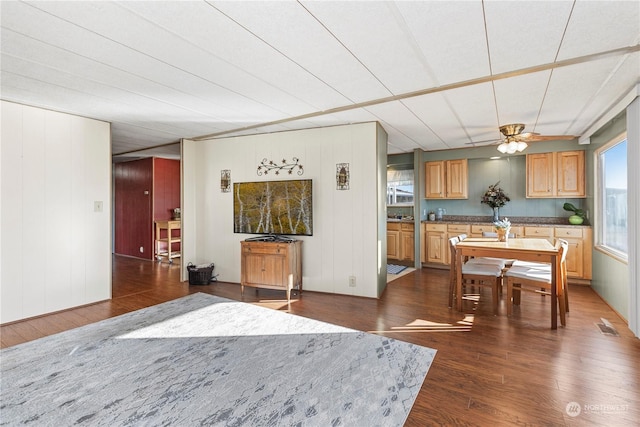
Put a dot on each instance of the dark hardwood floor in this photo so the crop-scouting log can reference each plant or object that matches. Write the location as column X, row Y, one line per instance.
column 489, row 370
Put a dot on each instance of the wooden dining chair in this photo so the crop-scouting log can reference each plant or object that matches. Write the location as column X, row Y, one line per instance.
column 486, row 260
column 547, row 266
column 495, row 234
column 474, row 273
column 503, row 263
column 529, row 277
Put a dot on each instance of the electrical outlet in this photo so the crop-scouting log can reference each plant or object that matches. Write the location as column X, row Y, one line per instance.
column 97, row 206
column 352, row 281
column 141, row 249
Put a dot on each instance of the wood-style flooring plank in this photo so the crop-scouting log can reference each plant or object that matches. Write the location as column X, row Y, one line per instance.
column 489, row 370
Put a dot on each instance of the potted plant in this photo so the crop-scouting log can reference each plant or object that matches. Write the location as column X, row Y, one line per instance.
column 502, row 228
column 578, row 214
column 495, row 198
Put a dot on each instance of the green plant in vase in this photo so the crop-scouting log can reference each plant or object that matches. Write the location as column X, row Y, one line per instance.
column 502, row 227
column 495, row 198
column 578, row 214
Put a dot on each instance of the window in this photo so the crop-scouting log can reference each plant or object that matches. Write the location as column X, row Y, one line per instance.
column 400, row 187
column 612, row 236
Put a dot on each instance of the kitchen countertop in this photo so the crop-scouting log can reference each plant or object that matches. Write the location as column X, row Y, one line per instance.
column 515, row 221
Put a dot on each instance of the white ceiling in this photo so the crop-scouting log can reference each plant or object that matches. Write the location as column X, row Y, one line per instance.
column 436, row 74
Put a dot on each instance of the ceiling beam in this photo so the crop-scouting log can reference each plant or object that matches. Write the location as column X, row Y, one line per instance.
column 529, row 70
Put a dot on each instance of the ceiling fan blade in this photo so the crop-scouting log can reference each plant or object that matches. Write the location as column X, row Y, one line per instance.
column 537, row 137
column 528, row 134
column 484, row 142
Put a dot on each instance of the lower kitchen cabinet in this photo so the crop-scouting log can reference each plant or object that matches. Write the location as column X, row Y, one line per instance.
column 407, row 242
column 579, row 259
column 400, row 241
column 436, row 243
column 393, row 240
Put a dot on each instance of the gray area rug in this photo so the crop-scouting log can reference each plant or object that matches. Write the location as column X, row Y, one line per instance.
column 206, row 360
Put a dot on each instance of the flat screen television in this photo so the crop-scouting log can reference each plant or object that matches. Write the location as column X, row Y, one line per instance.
column 273, row 207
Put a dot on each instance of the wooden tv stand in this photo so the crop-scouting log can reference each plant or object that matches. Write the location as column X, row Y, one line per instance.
column 272, row 265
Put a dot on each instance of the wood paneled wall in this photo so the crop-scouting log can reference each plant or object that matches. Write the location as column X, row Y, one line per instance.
column 166, row 188
column 55, row 175
column 145, row 190
column 348, row 241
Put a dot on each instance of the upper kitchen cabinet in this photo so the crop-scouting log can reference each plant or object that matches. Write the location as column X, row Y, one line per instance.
column 446, row 179
column 559, row 174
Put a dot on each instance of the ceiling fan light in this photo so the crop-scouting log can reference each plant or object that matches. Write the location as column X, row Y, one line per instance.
column 522, row 145
column 502, row 148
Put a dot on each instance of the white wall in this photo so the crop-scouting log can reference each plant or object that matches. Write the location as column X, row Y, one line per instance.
column 346, row 228
column 54, row 249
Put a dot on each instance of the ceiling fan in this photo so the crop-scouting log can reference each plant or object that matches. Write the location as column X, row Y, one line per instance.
column 515, row 140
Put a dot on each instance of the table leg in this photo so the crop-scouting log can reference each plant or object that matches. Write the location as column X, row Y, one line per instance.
column 554, row 292
column 458, row 267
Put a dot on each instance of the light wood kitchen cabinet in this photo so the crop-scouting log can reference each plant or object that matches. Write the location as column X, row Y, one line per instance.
column 393, row 240
column 580, row 239
column 400, row 241
column 407, row 242
column 540, row 176
column 435, row 237
column 436, row 244
column 558, row 174
column 457, row 179
column 540, row 233
column 434, row 180
column 446, row 179
column 570, row 174
column 271, row 265
column 579, row 259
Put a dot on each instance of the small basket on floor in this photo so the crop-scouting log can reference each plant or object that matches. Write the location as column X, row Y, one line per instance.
column 200, row 275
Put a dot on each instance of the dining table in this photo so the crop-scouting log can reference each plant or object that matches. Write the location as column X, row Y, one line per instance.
column 524, row 249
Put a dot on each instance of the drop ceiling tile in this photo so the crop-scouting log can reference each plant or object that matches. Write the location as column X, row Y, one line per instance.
column 520, row 98
column 475, row 107
column 20, row 48
column 117, row 54
column 450, row 36
column 238, row 59
column 377, row 35
column 569, row 94
column 457, row 116
column 608, row 95
column 524, row 33
column 295, row 33
column 598, row 26
column 396, row 115
column 164, row 70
